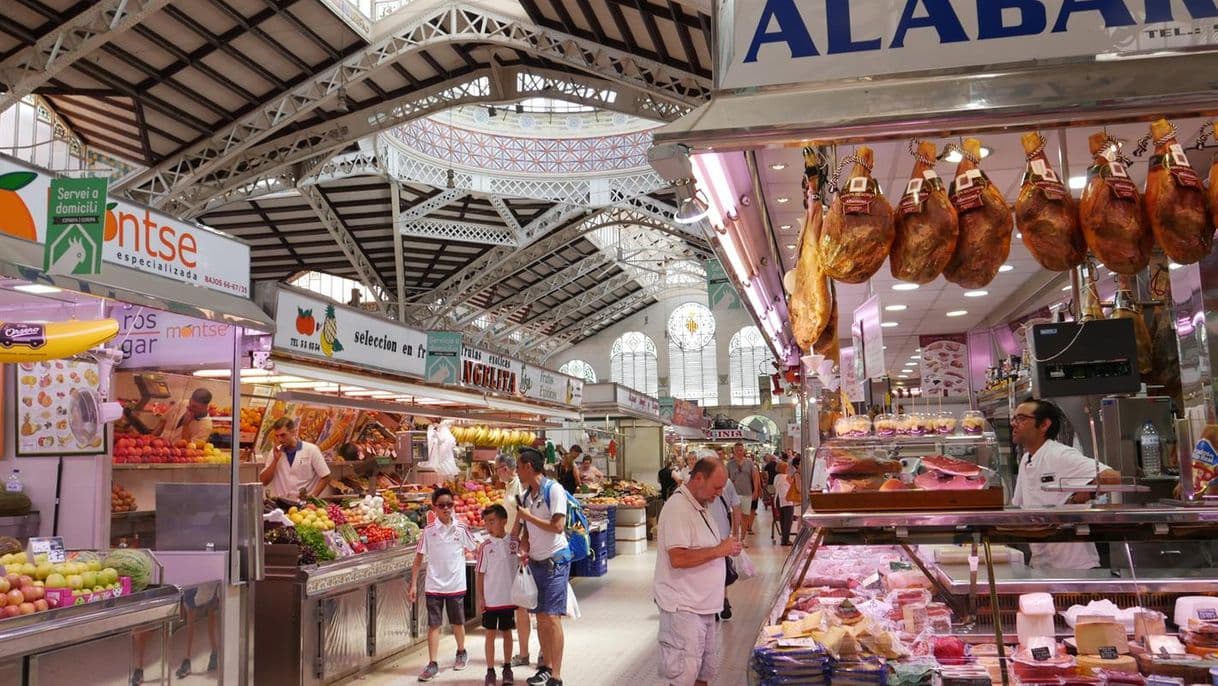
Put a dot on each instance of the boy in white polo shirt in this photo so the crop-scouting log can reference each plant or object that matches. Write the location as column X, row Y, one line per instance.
column 443, row 543
column 497, row 566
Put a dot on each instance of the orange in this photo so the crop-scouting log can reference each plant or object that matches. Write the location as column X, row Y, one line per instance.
column 15, row 219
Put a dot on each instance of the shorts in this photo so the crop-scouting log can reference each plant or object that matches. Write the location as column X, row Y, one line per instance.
column 499, row 619
column 754, row 505
column 689, row 648
column 747, row 506
column 437, row 604
column 551, row 577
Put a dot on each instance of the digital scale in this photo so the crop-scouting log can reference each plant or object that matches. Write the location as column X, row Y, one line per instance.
column 1092, row 358
column 151, row 387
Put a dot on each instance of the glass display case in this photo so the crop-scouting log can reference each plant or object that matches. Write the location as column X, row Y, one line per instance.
column 959, row 597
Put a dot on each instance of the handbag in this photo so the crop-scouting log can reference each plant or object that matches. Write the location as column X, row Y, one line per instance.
column 730, row 569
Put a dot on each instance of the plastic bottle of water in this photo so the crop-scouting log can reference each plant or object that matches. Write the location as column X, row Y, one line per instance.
column 14, row 485
column 1150, row 450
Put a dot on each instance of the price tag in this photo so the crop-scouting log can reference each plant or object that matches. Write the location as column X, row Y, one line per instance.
column 1207, row 614
column 1041, row 654
column 802, row 642
column 871, row 580
column 1108, row 653
column 52, row 547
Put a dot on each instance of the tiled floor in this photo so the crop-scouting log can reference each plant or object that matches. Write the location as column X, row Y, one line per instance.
column 614, row 642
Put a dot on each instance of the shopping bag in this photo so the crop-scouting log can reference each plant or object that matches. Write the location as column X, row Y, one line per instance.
column 744, row 566
column 524, row 590
column 572, row 604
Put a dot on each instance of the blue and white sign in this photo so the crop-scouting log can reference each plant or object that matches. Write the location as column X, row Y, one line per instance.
column 773, row 42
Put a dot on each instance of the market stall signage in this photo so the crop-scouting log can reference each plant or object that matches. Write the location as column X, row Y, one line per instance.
column 132, row 236
column 489, row 371
column 720, row 292
column 639, row 402
column 76, row 216
column 312, row 326
column 151, row 339
column 443, row 357
column 772, row 42
column 944, row 364
column 682, row 413
column 539, row 383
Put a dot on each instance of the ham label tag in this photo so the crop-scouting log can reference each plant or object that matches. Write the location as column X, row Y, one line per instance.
column 858, row 196
column 1119, row 183
column 1108, row 653
column 968, row 189
column 1207, row 614
column 1046, row 180
column 1181, row 170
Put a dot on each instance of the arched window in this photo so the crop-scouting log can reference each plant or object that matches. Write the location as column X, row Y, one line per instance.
column 692, row 369
column 747, row 357
column 579, row 369
column 633, row 361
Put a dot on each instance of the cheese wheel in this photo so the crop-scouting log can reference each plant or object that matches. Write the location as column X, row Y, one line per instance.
column 1122, row 663
column 1036, row 604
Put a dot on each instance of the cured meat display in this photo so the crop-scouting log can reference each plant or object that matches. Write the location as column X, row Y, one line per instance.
column 938, row 481
column 811, row 302
column 1110, row 212
column 1125, row 307
column 1045, row 213
column 951, row 465
column 985, row 223
column 926, row 225
column 858, row 231
column 1176, row 202
column 848, row 463
column 828, row 344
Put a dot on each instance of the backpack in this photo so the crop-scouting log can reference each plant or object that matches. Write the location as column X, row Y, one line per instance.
column 576, row 529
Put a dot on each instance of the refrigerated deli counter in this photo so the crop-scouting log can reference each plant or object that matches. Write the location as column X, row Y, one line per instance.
column 949, row 595
column 317, row 624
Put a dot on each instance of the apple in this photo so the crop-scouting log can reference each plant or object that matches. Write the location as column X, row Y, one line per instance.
column 15, row 597
column 24, row 580
column 57, row 580
column 27, row 608
column 88, row 579
column 75, row 581
column 43, row 570
column 30, row 593
column 53, row 602
column 28, row 569
column 41, row 605
column 4, row 584
column 109, row 575
column 12, row 610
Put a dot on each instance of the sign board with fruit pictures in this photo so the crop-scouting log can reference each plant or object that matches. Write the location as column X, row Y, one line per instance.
column 134, row 237
column 43, row 397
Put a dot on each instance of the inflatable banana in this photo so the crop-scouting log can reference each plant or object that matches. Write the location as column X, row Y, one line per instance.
column 20, row 342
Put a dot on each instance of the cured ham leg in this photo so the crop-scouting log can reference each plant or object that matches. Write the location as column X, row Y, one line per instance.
column 926, row 224
column 985, row 223
column 811, row 302
column 1176, row 203
column 858, row 231
column 828, row 343
column 1110, row 212
column 1045, row 212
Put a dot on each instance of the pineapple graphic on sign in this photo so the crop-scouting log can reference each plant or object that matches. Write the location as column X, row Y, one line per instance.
column 329, row 334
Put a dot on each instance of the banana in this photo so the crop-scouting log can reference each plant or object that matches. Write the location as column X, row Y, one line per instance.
column 21, row 342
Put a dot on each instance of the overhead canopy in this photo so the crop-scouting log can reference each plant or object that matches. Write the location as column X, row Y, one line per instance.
column 22, row 260
column 614, row 401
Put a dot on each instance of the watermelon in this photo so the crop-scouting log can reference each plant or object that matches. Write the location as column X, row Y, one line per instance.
column 133, row 563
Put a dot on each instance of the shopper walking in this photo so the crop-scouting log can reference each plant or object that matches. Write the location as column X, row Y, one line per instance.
column 747, row 478
column 725, row 510
column 541, row 522
column 668, row 482
column 505, row 469
column 689, row 578
column 443, row 545
column 496, row 571
column 786, row 508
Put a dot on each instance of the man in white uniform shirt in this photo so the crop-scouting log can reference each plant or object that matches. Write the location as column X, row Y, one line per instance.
column 296, row 466
column 1047, row 463
column 689, row 577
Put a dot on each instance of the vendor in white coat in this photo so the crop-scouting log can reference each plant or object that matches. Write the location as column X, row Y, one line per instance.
column 1047, row 463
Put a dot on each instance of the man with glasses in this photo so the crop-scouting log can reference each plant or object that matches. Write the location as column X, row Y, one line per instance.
column 1048, row 463
column 443, row 543
column 505, row 470
column 541, row 518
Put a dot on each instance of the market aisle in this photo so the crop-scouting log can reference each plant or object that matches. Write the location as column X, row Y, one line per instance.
column 614, row 642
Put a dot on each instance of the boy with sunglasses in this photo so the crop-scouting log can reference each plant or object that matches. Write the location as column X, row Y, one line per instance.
column 443, row 543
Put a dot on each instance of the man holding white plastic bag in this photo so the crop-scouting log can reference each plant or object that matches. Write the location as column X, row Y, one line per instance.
column 690, row 577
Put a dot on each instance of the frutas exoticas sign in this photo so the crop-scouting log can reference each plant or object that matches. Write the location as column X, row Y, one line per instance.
column 772, row 42
column 134, row 236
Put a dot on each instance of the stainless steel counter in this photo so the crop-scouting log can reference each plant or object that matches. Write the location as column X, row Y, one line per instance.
column 1017, row 519
column 45, row 631
column 1017, row 579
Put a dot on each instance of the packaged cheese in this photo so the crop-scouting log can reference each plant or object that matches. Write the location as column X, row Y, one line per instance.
column 1120, row 663
column 1092, row 637
column 1036, row 604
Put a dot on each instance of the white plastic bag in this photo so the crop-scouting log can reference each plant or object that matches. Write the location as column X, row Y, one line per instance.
column 572, row 603
column 524, row 590
column 744, row 566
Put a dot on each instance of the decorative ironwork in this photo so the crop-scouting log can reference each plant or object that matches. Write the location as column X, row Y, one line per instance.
column 347, row 243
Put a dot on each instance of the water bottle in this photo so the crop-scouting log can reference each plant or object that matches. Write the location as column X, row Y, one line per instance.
column 1150, row 450
column 14, row 485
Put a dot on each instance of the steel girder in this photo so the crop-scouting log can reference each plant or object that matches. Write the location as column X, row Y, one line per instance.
column 422, row 209
column 542, row 322
column 453, row 230
column 33, row 66
column 546, row 346
column 437, row 22
column 505, row 310
column 509, row 219
column 368, row 274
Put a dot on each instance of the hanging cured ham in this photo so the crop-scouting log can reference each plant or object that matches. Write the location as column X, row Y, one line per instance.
column 1110, row 212
column 1125, row 306
column 1176, row 203
column 857, row 233
column 811, row 302
column 1045, row 213
column 985, row 223
column 828, row 344
column 925, row 224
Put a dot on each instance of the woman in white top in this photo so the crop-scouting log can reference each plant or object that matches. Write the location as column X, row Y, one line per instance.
column 786, row 507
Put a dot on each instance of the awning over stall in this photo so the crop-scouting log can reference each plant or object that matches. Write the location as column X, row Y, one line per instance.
column 613, row 401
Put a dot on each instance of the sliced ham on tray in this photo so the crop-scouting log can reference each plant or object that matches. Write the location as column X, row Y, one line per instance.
column 938, row 481
column 850, row 464
column 951, row 465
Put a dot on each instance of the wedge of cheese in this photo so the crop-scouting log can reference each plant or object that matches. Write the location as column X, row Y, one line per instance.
column 1121, row 663
column 1093, row 636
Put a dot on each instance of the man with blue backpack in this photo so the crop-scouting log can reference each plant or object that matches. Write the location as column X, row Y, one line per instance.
column 545, row 515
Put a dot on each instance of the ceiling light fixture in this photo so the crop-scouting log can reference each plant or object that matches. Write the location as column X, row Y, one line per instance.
column 1078, row 183
column 895, row 308
column 1006, row 268
column 790, row 246
column 37, row 289
column 902, row 376
column 785, row 227
column 976, row 294
column 1067, row 287
column 905, row 287
column 888, row 325
column 957, row 313
column 954, row 156
column 691, row 209
column 915, row 357
column 782, row 200
column 778, row 166
column 1174, row 266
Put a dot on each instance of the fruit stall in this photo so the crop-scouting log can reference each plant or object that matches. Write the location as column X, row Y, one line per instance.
column 627, row 428
column 83, row 321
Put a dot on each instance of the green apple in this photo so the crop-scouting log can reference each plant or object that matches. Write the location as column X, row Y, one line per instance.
column 40, row 558
column 98, row 589
column 109, row 575
column 28, row 569
column 42, row 570
column 93, row 566
column 75, row 581
column 89, row 579
column 56, row 580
